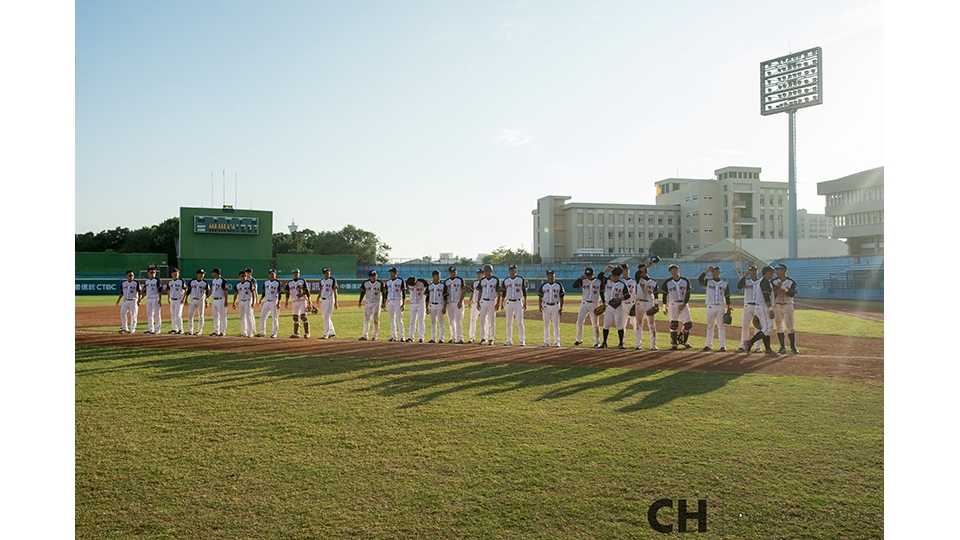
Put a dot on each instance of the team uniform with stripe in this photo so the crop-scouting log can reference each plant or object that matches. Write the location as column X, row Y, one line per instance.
column 270, row 306
column 218, row 297
column 614, row 316
column 198, row 291
column 152, row 289
column 629, row 304
column 437, row 295
column 474, row 309
column 591, row 295
column 131, row 291
column 515, row 299
column 717, row 301
column 676, row 297
column 373, row 292
column 396, row 295
column 176, row 289
column 328, row 290
column 244, row 292
column 489, row 292
column 418, row 311
column 550, row 295
column 753, row 305
column 455, row 292
column 646, row 299
column 783, row 292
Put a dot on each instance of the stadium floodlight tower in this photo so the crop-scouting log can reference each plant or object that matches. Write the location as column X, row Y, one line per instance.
column 789, row 83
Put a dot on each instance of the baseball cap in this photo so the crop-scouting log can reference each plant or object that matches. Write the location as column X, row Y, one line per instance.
column 200, row 271
column 149, row 268
column 372, row 273
column 248, row 269
column 393, row 269
column 616, row 271
column 513, row 267
column 325, row 269
column 243, row 273
column 550, row 271
column 779, row 266
column 752, row 267
column 435, row 273
column 479, row 270
column 487, row 267
column 766, row 269
column 272, row 271
column 452, row 269
column 588, row 271
column 216, row 269
column 672, row 266
column 295, row 271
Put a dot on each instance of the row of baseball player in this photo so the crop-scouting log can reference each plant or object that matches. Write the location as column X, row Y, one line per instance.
column 619, row 299
column 200, row 293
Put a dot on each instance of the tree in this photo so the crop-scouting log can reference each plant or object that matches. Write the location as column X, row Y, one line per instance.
column 347, row 241
column 502, row 255
column 664, row 247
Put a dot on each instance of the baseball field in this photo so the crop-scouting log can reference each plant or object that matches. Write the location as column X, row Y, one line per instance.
column 226, row 437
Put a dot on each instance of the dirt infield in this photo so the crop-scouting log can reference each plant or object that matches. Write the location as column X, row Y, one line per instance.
column 823, row 356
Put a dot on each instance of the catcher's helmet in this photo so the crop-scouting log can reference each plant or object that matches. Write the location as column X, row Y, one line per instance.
column 487, row 268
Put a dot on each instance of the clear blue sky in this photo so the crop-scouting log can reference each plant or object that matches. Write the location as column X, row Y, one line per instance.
column 437, row 125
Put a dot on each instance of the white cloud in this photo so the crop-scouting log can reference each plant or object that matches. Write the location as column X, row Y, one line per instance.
column 514, row 31
column 515, row 138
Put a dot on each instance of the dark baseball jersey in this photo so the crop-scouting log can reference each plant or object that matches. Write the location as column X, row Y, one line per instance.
column 551, row 292
column 152, row 288
column 676, row 290
column 781, row 296
column 198, row 289
column 372, row 290
column 218, row 288
column 514, row 288
column 455, row 288
column 271, row 290
column 130, row 290
column 176, row 288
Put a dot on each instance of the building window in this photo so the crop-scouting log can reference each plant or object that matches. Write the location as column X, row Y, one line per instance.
column 659, row 235
column 708, row 212
column 708, row 229
column 670, row 221
column 650, row 236
column 650, row 221
column 630, row 234
column 659, row 221
column 670, row 235
column 708, row 197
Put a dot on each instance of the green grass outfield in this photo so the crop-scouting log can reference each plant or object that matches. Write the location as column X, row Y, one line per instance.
column 348, row 321
column 177, row 444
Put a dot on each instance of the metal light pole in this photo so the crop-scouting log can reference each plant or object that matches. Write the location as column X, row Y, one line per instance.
column 789, row 83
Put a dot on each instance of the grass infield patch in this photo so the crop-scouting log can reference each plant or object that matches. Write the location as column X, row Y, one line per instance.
column 175, row 444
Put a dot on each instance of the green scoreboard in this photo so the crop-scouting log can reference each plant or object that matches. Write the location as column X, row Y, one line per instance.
column 229, row 238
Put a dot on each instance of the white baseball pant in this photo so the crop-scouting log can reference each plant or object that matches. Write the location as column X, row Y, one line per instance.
column 586, row 310
column 748, row 331
column 650, row 321
column 176, row 314
column 153, row 315
column 613, row 317
column 436, row 321
column 551, row 317
column 474, row 315
column 514, row 312
column 371, row 316
column 417, row 318
column 783, row 316
column 395, row 313
column 194, row 310
column 219, row 306
column 455, row 316
column 326, row 309
column 269, row 309
column 247, row 325
column 715, row 314
column 488, row 320
column 128, row 315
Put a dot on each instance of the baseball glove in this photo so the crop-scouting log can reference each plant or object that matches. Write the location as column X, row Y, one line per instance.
column 654, row 310
column 633, row 311
column 599, row 309
column 615, row 303
column 728, row 319
column 314, row 310
column 756, row 323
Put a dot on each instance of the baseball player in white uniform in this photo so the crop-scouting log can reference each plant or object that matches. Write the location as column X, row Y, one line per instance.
column 270, row 303
column 176, row 289
column 551, row 307
column 130, row 294
column 300, row 291
column 612, row 295
column 514, row 293
column 437, row 296
column 718, row 305
column 646, row 301
column 752, row 303
column 153, row 290
column 784, row 289
column 373, row 291
column 588, row 302
column 218, row 297
column 244, row 291
column 418, row 302
column 396, row 296
column 629, row 303
column 676, row 298
column 766, row 314
column 198, row 290
column 455, row 291
column 472, row 301
column 488, row 303
column 328, row 298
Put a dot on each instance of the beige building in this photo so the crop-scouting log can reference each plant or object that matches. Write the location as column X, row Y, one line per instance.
column 855, row 204
column 813, row 225
column 564, row 231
